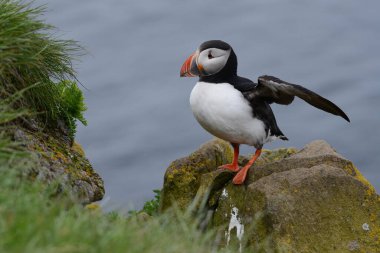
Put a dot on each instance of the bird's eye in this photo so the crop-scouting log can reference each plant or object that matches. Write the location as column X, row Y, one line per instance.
column 210, row 55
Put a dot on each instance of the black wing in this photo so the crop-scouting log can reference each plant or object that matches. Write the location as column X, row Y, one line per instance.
column 272, row 89
column 261, row 108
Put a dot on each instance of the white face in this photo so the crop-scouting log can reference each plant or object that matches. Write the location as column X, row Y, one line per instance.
column 212, row 60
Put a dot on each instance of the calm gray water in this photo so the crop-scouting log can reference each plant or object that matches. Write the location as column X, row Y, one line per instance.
column 139, row 116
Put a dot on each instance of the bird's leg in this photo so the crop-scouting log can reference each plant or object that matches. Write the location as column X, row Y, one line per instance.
column 234, row 165
column 241, row 175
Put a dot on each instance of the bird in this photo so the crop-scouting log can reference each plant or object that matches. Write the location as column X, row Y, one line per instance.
column 236, row 109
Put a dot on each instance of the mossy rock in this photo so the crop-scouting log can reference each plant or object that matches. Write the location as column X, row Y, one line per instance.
column 60, row 160
column 183, row 176
column 313, row 200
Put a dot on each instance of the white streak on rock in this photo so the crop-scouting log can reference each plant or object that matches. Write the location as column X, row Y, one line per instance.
column 235, row 222
column 225, row 193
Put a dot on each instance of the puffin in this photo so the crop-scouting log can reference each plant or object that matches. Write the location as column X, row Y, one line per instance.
column 236, row 109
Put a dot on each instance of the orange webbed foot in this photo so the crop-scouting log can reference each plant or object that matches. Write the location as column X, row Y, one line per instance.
column 231, row 167
column 242, row 174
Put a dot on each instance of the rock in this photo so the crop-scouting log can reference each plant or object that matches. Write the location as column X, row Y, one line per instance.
column 313, row 200
column 183, row 176
column 58, row 159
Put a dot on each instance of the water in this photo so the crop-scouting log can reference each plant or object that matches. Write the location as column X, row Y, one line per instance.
column 139, row 116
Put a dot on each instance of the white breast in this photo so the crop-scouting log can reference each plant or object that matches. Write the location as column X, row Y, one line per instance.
column 224, row 112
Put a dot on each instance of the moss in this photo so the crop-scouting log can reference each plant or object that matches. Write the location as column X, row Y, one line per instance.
column 268, row 156
column 93, row 206
column 59, row 160
column 78, row 148
column 257, row 229
column 353, row 171
column 182, row 178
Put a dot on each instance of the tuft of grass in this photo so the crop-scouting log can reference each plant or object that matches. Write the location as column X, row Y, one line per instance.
column 151, row 207
column 7, row 112
column 71, row 105
column 33, row 59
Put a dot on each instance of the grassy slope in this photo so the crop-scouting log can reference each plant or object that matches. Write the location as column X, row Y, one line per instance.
column 33, row 70
column 32, row 221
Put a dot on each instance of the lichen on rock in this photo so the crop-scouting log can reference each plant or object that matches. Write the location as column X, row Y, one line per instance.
column 312, row 200
column 183, row 176
column 59, row 160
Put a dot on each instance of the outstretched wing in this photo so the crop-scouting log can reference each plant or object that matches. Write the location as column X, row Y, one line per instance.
column 272, row 89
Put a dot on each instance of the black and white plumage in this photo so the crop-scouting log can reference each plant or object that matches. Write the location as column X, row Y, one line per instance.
column 236, row 109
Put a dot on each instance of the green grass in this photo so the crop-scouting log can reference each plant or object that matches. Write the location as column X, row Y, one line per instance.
column 71, row 105
column 150, row 207
column 30, row 224
column 34, row 60
column 33, row 221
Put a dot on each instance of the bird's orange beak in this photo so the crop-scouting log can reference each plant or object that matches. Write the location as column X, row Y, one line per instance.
column 189, row 67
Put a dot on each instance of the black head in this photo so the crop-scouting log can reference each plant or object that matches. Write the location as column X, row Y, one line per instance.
column 214, row 61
